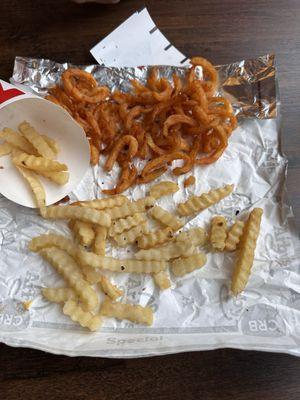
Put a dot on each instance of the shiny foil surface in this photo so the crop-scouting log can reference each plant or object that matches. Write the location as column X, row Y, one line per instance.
column 198, row 311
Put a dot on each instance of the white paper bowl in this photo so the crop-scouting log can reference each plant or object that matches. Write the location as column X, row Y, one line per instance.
column 54, row 121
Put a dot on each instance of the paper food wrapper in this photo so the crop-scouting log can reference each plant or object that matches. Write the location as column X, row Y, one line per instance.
column 198, row 312
column 18, row 104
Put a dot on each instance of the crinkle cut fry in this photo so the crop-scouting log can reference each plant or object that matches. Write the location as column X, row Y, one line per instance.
column 100, row 240
column 245, row 258
column 85, row 318
column 131, row 236
column 77, row 212
column 107, row 202
column 132, row 208
column 234, row 235
column 182, row 266
column 166, row 218
column 36, row 187
column 163, row 188
column 166, row 252
column 37, row 140
column 59, row 295
column 194, row 236
column 134, row 313
column 198, row 203
column 110, row 290
column 124, row 224
column 66, row 266
column 155, row 238
column 125, row 266
column 218, row 232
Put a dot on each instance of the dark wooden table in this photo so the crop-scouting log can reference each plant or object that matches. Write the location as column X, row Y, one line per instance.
column 223, row 31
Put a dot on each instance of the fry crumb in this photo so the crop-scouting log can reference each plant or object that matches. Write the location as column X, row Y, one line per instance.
column 27, row 304
column 189, row 181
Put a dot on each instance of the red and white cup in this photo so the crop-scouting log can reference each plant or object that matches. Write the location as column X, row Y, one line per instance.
column 52, row 120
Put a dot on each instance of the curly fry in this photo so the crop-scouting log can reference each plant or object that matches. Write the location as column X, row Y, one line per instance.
column 126, row 141
column 177, row 119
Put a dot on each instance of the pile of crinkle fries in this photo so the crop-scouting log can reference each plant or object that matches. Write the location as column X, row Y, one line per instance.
column 81, row 261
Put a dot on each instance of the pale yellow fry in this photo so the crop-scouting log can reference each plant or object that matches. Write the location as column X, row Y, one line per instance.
column 93, row 260
column 83, row 232
column 37, row 163
column 61, row 177
column 52, row 144
column 155, row 238
column 58, row 295
column 17, row 140
column 163, row 189
column 36, row 140
column 5, row 148
column 218, row 232
column 101, row 204
column 245, row 258
column 100, row 240
column 183, row 266
column 166, row 252
column 84, row 318
column 67, row 267
column 51, row 239
column 36, row 187
column 77, row 212
column 166, row 218
column 132, row 208
column 194, row 236
column 162, row 280
column 234, row 235
column 92, row 275
column 128, row 237
column 110, row 290
column 196, row 204
column 126, row 266
column 134, row 313
column 124, row 224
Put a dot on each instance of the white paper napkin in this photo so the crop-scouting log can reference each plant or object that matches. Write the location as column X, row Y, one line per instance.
column 137, row 41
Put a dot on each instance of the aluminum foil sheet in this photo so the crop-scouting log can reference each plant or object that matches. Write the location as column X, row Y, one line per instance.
column 197, row 312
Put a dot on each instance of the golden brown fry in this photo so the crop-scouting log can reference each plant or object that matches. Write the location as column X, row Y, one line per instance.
column 191, row 180
column 37, row 140
column 198, row 203
column 77, row 212
column 100, row 240
column 132, row 208
column 166, row 218
column 110, row 290
column 84, row 318
column 218, row 233
column 245, row 258
column 234, row 235
column 124, row 224
column 59, row 295
column 166, row 252
column 134, row 313
column 183, row 266
column 17, row 141
column 36, row 187
column 163, row 188
column 162, row 280
column 66, row 266
column 128, row 237
column 194, row 236
column 155, row 238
